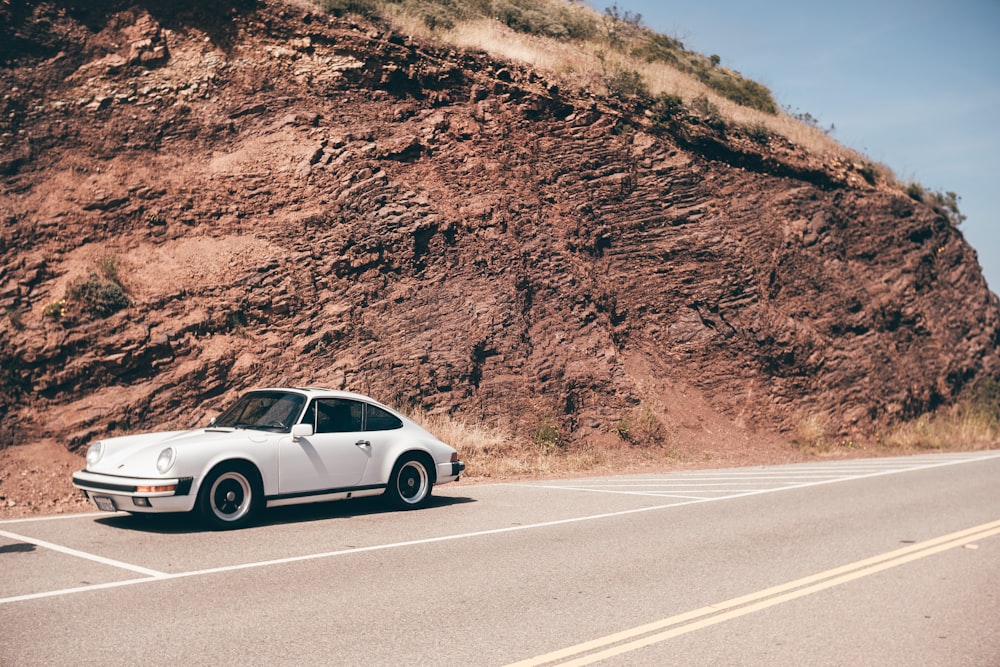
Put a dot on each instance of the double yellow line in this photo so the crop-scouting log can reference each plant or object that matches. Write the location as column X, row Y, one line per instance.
column 667, row 628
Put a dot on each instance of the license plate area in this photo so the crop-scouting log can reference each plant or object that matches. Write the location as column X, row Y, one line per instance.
column 105, row 504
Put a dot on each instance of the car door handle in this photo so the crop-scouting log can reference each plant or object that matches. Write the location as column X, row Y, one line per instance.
column 363, row 443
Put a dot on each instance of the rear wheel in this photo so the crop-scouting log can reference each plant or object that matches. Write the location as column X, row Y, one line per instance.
column 230, row 497
column 411, row 483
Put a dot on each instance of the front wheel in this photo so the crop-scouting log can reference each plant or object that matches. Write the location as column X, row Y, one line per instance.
column 411, row 484
column 230, row 497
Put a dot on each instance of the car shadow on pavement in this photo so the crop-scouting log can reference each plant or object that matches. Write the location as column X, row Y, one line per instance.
column 337, row 509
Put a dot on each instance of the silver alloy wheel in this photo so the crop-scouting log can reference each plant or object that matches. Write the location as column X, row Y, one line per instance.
column 412, row 482
column 231, row 496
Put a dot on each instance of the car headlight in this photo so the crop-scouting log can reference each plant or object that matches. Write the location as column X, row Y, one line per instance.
column 166, row 459
column 95, row 452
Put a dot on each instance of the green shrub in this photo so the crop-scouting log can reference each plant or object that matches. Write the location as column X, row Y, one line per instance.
column 744, row 92
column 868, row 171
column 620, row 26
column 641, row 427
column 98, row 295
column 915, row 191
column 985, row 397
column 340, row 7
column 654, row 47
column 626, row 83
column 548, row 435
column 758, row 133
column 666, row 107
column 578, row 22
column 437, row 14
column 548, row 19
column 434, row 18
column 54, row 310
column 530, row 21
column 943, row 203
column 946, row 204
column 705, row 108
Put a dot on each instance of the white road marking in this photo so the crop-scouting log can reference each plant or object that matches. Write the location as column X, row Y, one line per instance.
column 154, row 575
column 51, row 517
column 160, row 576
column 702, row 484
column 79, row 589
column 83, row 554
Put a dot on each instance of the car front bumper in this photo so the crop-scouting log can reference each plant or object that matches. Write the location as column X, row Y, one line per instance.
column 133, row 494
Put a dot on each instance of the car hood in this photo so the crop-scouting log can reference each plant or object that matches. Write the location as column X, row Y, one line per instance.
column 135, row 455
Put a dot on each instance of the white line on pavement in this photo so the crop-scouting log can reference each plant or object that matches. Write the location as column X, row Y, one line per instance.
column 82, row 554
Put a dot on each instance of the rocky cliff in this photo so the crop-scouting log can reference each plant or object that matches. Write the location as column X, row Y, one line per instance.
column 291, row 197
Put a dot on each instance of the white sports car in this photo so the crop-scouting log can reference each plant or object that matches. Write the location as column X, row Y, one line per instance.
column 273, row 447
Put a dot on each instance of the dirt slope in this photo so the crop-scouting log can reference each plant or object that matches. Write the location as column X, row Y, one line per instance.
column 294, row 198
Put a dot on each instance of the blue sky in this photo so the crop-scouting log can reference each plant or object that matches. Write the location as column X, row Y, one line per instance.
column 912, row 85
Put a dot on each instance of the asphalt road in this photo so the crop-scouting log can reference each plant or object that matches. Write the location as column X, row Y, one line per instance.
column 872, row 562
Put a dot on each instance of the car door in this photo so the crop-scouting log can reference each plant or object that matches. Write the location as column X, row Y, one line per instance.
column 334, row 457
column 385, row 433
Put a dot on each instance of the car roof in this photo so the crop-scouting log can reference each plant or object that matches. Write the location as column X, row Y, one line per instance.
column 321, row 392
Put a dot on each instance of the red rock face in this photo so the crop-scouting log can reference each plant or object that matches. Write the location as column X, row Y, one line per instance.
column 292, row 198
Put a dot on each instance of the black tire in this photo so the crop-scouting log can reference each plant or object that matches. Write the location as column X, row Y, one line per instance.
column 231, row 496
column 411, row 483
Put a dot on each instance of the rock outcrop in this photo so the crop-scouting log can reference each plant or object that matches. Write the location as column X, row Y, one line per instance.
column 290, row 197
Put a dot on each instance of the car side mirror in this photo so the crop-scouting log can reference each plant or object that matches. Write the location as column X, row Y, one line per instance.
column 302, row 431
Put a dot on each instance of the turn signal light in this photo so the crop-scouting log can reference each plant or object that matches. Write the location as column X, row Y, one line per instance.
column 155, row 489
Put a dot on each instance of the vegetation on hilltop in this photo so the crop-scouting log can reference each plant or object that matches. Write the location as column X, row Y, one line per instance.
column 617, row 39
column 615, row 54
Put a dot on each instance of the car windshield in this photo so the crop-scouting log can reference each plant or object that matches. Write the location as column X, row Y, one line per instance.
column 274, row 411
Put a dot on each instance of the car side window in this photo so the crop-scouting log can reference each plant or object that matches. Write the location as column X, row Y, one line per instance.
column 378, row 419
column 334, row 415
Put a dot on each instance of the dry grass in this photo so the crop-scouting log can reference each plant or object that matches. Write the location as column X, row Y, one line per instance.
column 641, row 443
column 972, row 424
column 812, row 438
column 957, row 428
column 557, row 57
column 642, row 427
column 495, row 453
column 586, row 65
column 811, row 432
